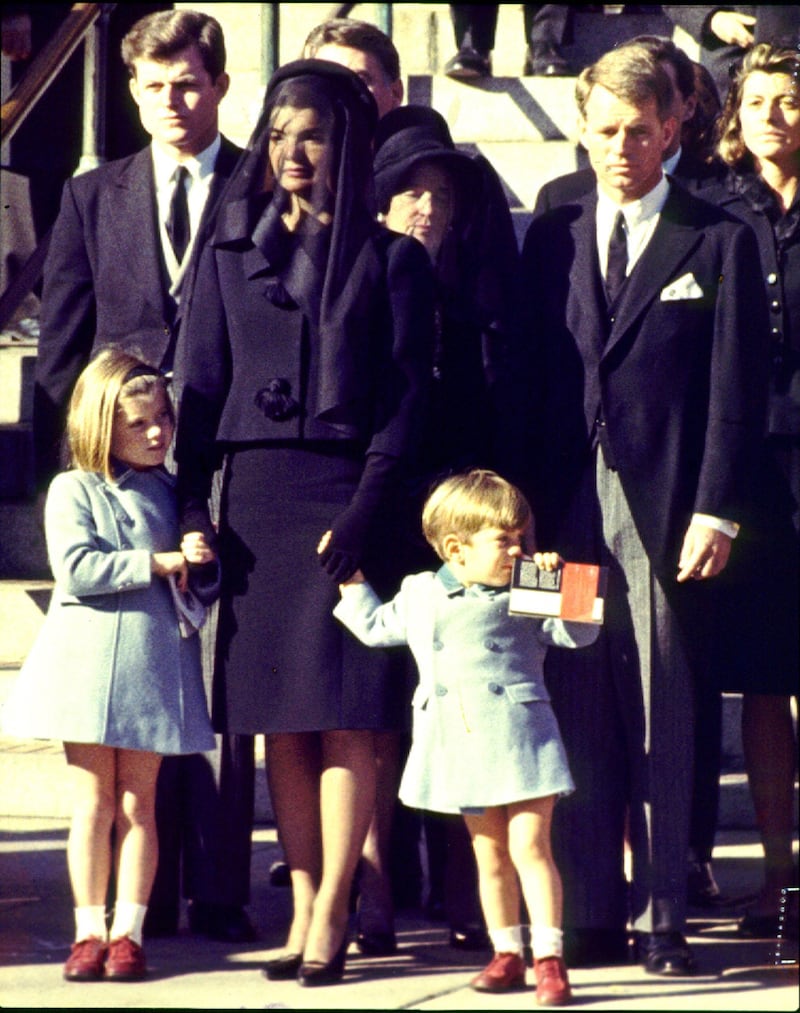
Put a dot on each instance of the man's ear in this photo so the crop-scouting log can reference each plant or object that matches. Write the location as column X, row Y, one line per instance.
column 133, row 85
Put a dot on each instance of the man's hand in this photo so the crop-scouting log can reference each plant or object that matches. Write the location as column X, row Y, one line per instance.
column 704, row 553
column 733, row 28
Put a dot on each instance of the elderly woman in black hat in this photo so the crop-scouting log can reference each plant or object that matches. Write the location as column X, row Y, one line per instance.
column 304, row 365
column 454, row 205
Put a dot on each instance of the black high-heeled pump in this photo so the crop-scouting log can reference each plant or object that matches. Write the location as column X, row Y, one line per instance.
column 283, row 968
column 315, row 972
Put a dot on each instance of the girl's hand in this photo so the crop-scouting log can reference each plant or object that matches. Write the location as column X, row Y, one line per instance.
column 547, row 560
column 196, row 549
column 163, row 564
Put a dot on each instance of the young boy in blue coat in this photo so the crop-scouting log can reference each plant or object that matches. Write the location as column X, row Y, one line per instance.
column 486, row 743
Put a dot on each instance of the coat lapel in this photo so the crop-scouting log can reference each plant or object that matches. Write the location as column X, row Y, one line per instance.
column 585, row 281
column 673, row 240
column 136, row 231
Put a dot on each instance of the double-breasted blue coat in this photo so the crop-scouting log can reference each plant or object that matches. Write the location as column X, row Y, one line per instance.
column 484, row 733
column 109, row 665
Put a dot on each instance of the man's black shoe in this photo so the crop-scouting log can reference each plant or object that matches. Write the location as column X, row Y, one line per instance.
column 222, row 922
column 665, row 953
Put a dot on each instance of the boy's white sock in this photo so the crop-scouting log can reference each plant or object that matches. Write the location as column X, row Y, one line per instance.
column 547, row 941
column 128, row 920
column 507, row 939
column 90, row 920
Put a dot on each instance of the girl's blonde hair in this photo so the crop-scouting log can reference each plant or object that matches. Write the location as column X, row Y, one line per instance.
column 769, row 59
column 467, row 503
column 112, row 376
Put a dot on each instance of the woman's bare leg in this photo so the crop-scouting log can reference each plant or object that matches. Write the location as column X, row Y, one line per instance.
column 347, row 801
column 770, row 755
column 294, row 765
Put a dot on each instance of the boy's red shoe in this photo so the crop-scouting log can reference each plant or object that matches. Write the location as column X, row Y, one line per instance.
column 86, row 959
column 504, row 973
column 552, row 983
column 125, row 960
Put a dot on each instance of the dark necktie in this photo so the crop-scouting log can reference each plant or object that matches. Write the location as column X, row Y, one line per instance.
column 178, row 227
column 617, row 258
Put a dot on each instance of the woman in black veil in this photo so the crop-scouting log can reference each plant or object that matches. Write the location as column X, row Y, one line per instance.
column 304, row 365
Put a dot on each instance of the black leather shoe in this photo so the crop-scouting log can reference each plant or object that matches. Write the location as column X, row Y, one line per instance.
column 665, row 953
column 222, row 922
column 283, row 968
column 377, row 943
column 544, row 60
column 596, row 947
column 315, row 972
column 468, row 64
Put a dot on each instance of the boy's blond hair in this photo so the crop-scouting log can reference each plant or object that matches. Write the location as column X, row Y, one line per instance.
column 467, row 503
column 112, row 376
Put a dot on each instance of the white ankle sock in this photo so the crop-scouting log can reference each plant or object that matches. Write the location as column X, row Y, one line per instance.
column 547, row 941
column 507, row 939
column 90, row 920
column 128, row 920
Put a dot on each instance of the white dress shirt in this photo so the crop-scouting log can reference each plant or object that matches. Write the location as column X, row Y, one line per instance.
column 198, row 186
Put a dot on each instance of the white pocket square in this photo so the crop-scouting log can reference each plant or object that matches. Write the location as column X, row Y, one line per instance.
column 684, row 287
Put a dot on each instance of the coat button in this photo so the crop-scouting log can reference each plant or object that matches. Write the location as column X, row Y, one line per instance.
column 491, row 645
column 441, row 690
column 495, row 688
column 438, row 645
column 772, row 278
column 775, row 306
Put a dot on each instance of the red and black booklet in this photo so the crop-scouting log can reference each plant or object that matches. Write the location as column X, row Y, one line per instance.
column 574, row 592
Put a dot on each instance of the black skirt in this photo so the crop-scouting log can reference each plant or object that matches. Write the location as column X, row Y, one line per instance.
column 283, row 663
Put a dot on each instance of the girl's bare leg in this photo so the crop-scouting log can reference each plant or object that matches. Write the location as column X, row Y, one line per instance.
column 89, row 844
column 137, row 839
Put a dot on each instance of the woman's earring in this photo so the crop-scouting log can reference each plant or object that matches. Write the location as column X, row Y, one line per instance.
column 381, row 217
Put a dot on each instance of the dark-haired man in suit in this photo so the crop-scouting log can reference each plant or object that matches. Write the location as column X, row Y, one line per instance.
column 694, row 174
column 120, row 259
column 648, row 337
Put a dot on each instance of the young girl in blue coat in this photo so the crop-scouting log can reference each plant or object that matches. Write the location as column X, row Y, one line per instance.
column 111, row 674
column 485, row 740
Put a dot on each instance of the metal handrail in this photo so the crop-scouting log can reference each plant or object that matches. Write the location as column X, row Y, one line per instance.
column 46, row 65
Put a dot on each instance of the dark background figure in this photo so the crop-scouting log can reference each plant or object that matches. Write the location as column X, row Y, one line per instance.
column 454, row 205
column 758, row 638
column 112, row 277
column 724, row 34
column 475, row 25
column 305, row 362
column 645, row 477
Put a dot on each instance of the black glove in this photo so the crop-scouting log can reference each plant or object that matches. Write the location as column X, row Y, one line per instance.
column 344, row 553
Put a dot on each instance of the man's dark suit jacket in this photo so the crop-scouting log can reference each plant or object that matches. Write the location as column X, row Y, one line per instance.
column 692, row 173
column 678, row 367
column 105, row 281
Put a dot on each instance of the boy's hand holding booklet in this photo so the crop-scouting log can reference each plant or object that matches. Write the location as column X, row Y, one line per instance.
column 574, row 592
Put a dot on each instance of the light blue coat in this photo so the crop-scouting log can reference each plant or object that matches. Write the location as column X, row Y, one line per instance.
column 109, row 664
column 484, row 733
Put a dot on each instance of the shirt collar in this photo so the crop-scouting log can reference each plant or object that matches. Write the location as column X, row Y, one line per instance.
column 669, row 165
column 636, row 212
column 199, row 166
column 454, row 587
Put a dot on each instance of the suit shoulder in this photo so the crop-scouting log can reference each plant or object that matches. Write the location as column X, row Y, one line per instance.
column 107, row 174
column 565, row 189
